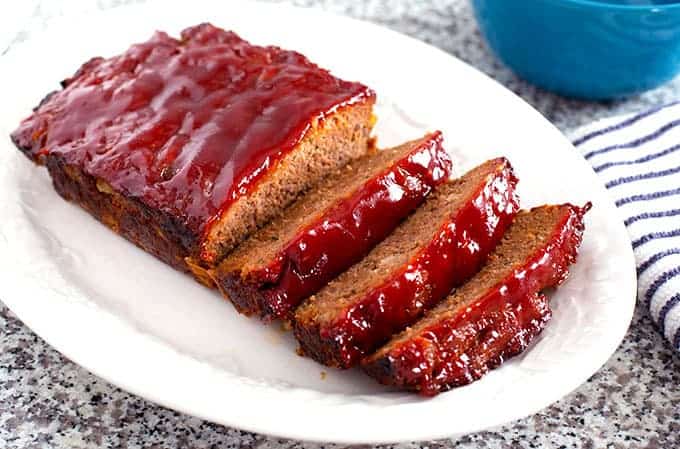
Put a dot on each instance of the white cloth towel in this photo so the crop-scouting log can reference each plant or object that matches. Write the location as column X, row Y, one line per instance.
column 638, row 159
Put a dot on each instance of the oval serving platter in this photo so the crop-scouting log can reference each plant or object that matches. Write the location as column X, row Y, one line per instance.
column 135, row 322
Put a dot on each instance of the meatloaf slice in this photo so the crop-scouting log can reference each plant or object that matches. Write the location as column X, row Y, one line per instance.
column 330, row 228
column 441, row 245
column 494, row 315
column 199, row 139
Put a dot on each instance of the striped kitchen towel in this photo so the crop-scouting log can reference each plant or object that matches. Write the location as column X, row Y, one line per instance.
column 638, row 159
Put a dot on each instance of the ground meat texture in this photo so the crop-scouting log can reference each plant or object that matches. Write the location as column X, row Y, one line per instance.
column 493, row 316
column 437, row 248
column 330, row 228
column 204, row 138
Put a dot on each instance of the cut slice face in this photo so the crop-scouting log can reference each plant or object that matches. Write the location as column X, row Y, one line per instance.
column 330, row 228
column 493, row 316
column 437, row 248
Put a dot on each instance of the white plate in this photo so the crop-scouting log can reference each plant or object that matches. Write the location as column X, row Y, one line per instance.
column 135, row 322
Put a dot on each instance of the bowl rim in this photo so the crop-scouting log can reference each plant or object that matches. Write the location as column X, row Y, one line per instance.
column 606, row 5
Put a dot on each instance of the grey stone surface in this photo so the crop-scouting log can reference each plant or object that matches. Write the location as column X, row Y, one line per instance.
column 632, row 402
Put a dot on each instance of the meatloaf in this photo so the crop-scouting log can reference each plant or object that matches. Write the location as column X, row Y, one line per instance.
column 441, row 245
column 330, row 228
column 494, row 315
column 186, row 145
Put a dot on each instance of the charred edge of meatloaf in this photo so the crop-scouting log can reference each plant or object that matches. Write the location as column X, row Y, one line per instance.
column 149, row 229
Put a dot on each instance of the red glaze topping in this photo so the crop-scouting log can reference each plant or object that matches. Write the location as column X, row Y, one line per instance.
column 344, row 234
column 461, row 347
column 459, row 247
column 186, row 125
column 491, row 333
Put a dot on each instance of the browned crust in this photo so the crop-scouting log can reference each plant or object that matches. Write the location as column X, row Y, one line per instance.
column 164, row 236
column 152, row 230
column 247, row 297
column 315, row 345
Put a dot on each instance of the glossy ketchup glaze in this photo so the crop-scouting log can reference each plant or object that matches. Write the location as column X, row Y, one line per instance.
column 185, row 125
column 458, row 248
column 341, row 235
column 462, row 346
column 496, row 331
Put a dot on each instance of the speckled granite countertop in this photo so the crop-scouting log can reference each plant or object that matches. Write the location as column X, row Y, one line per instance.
column 632, row 402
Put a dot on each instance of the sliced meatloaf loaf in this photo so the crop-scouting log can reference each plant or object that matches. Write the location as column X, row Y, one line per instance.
column 330, row 228
column 186, row 146
column 441, row 245
column 494, row 315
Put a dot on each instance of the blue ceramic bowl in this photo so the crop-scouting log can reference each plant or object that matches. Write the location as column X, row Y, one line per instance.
column 591, row 49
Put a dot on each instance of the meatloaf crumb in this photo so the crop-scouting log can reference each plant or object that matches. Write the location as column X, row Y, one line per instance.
column 440, row 246
column 330, row 228
column 202, row 138
column 493, row 316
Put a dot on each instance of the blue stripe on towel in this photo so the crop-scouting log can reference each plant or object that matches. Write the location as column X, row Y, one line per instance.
column 647, row 196
column 637, row 142
column 663, row 313
column 624, row 124
column 642, row 177
column 655, row 235
column 659, row 282
column 655, row 258
column 642, row 160
column 650, row 172
column 647, row 215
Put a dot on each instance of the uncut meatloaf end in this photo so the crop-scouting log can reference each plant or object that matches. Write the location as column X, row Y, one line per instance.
column 147, row 141
column 492, row 317
column 330, row 228
column 163, row 235
column 442, row 244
